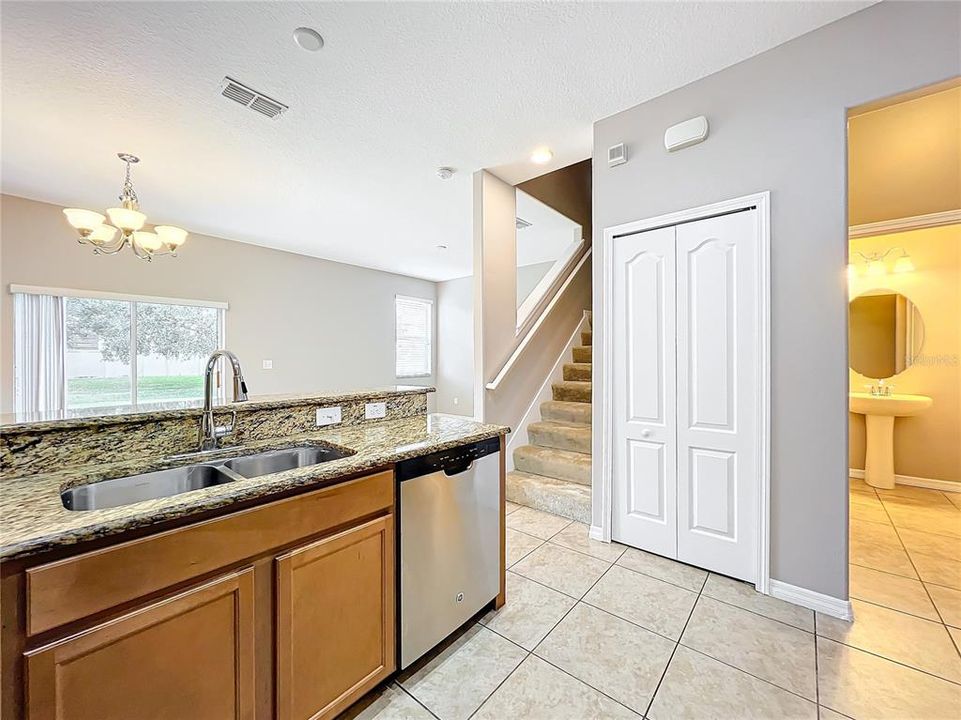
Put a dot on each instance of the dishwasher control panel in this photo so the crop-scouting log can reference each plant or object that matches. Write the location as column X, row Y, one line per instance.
column 450, row 461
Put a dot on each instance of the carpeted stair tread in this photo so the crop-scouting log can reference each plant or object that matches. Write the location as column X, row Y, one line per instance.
column 560, row 435
column 569, row 412
column 572, row 391
column 586, row 337
column 560, row 497
column 551, row 462
column 582, row 353
column 577, row 371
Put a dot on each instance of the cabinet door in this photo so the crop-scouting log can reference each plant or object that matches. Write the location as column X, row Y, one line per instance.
column 187, row 656
column 335, row 620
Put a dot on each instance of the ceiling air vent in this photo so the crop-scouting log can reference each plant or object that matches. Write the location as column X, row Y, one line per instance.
column 254, row 100
column 521, row 224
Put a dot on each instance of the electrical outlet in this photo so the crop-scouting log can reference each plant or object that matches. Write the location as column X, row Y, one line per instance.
column 456, row 400
column 268, row 365
column 373, row 411
column 328, row 416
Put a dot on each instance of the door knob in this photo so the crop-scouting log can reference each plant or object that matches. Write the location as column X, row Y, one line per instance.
column 645, row 433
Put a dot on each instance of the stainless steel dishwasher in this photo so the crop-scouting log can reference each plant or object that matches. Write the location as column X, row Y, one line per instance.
column 449, row 542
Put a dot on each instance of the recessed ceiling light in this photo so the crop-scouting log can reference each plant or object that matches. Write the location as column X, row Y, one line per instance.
column 441, row 247
column 445, row 173
column 541, row 155
column 308, row 38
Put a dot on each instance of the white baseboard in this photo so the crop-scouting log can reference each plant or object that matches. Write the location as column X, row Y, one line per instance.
column 596, row 533
column 930, row 483
column 835, row 607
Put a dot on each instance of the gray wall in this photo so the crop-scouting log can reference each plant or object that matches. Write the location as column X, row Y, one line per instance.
column 778, row 124
column 455, row 347
column 325, row 325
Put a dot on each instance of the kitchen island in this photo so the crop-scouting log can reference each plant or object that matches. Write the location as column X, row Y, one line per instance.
column 286, row 579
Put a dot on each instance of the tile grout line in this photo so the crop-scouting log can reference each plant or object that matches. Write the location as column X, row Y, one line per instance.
column 412, row 697
column 531, row 652
column 578, row 602
column 890, row 660
column 915, row 568
column 677, row 644
column 930, row 599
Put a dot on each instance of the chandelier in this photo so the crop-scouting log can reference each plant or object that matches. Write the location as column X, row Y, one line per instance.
column 129, row 221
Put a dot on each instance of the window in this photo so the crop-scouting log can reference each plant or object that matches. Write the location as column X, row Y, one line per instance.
column 107, row 350
column 413, row 336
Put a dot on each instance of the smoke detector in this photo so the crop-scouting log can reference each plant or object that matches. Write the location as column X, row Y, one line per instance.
column 521, row 224
column 308, row 39
column 445, row 173
column 256, row 101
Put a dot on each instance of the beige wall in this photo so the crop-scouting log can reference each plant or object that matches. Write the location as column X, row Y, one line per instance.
column 325, row 325
column 778, row 123
column 927, row 445
column 455, row 347
column 567, row 190
column 495, row 311
column 905, row 159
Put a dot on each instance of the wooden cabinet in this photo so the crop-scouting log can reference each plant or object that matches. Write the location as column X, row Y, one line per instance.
column 280, row 610
column 335, row 620
column 187, row 656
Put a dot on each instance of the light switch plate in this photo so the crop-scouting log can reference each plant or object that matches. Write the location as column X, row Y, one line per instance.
column 373, row 411
column 328, row 416
column 268, row 365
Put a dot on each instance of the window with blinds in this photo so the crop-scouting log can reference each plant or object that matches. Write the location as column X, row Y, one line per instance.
column 413, row 336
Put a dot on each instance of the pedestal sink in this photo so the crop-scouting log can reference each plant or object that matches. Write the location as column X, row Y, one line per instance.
column 879, row 412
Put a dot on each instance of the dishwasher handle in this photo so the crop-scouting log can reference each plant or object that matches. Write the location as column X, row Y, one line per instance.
column 452, row 470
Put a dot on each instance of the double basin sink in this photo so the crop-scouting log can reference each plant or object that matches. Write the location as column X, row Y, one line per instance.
column 173, row 481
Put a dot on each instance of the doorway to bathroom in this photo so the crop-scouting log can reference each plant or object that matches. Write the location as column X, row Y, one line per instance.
column 904, row 356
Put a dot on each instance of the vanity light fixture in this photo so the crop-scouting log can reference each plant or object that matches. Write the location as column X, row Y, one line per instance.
column 129, row 221
column 876, row 266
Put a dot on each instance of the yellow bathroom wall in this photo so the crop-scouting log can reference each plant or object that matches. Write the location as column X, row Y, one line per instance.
column 929, row 444
column 905, row 159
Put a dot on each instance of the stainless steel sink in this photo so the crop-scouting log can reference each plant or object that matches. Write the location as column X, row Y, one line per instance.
column 165, row 483
column 146, row 486
column 272, row 461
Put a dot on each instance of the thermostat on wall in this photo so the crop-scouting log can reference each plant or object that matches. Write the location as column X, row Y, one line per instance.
column 690, row 132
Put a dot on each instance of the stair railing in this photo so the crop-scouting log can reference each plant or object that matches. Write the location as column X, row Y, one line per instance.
column 533, row 328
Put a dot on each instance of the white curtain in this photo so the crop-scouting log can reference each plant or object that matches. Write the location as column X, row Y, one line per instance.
column 38, row 347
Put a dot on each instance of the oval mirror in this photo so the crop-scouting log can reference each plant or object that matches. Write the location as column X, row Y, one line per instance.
column 885, row 333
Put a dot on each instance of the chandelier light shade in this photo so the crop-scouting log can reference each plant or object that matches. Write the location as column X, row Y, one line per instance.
column 129, row 222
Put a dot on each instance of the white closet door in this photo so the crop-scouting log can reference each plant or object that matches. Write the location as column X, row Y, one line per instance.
column 717, row 392
column 644, row 506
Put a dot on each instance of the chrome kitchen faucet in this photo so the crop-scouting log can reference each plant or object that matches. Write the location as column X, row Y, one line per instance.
column 211, row 433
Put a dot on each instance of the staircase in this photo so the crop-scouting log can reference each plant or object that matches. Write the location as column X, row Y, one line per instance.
column 553, row 473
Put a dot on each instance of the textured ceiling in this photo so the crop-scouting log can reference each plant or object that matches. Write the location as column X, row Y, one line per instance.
column 399, row 89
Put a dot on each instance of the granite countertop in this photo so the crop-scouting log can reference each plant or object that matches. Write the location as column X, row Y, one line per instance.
column 102, row 416
column 33, row 519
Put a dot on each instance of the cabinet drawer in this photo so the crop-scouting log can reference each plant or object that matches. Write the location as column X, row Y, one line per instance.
column 74, row 588
column 189, row 655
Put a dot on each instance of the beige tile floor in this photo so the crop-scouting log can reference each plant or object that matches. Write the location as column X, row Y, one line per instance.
column 592, row 630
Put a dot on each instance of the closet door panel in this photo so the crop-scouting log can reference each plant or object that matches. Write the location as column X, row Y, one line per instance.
column 644, row 450
column 716, row 393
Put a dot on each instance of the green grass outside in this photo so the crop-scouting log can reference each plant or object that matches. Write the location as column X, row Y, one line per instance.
column 87, row 392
